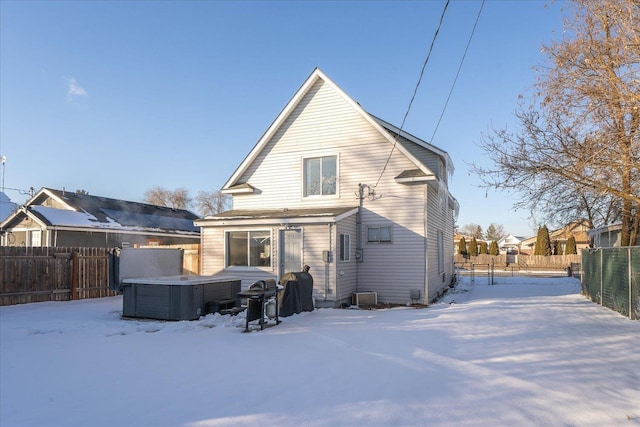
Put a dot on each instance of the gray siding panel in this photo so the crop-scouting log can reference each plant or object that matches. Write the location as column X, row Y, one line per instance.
column 346, row 270
column 393, row 269
column 440, row 219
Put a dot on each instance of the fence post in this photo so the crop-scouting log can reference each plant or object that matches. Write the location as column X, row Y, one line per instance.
column 601, row 268
column 75, row 272
column 630, row 270
column 493, row 274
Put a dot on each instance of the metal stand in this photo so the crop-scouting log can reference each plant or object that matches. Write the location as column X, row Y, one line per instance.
column 256, row 305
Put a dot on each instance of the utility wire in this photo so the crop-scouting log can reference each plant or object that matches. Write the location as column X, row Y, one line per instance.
column 415, row 90
column 458, row 73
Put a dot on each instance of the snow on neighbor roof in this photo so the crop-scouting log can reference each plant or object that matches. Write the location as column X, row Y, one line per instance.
column 6, row 206
column 84, row 210
column 54, row 216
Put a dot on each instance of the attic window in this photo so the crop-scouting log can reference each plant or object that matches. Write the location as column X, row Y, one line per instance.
column 320, row 176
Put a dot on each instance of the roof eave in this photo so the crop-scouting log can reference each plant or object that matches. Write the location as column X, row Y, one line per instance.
column 246, row 220
column 416, row 179
column 149, row 232
column 448, row 162
column 244, row 190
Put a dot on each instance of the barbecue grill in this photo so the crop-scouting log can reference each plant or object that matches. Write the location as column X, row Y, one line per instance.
column 259, row 295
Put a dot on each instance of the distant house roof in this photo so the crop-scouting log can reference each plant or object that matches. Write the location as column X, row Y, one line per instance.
column 510, row 240
column 77, row 210
column 6, row 206
column 577, row 229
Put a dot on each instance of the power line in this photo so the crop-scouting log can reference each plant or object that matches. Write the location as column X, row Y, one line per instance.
column 415, row 90
column 458, row 73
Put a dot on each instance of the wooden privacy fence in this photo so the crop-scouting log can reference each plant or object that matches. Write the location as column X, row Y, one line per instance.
column 53, row 274
column 520, row 262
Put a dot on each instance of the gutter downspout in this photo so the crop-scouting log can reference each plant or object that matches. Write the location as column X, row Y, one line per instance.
column 426, row 245
column 327, row 262
column 359, row 259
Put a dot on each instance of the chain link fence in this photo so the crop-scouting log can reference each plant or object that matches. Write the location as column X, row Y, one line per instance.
column 610, row 277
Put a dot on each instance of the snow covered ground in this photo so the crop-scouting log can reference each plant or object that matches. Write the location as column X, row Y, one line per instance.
column 523, row 352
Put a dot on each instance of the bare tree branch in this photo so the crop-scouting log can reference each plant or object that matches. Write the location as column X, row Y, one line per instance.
column 577, row 150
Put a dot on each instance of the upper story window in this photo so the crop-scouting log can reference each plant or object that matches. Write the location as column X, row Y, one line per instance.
column 320, row 176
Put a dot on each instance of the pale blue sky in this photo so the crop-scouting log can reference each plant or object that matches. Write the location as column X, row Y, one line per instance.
column 115, row 97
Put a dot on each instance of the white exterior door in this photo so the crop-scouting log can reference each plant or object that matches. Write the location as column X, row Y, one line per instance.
column 290, row 255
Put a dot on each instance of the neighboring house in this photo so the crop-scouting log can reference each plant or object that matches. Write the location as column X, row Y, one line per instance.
column 578, row 229
column 333, row 187
column 608, row 236
column 510, row 244
column 6, row 206
column 62, row 218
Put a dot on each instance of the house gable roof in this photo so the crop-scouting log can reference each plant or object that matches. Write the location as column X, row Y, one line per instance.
column 76, row 210
column 388, row 131
column 405, row 138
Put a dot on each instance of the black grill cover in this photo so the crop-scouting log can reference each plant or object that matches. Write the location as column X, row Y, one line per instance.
column 297, row 295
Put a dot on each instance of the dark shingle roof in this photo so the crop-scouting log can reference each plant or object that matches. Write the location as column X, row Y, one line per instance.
column 129, row 214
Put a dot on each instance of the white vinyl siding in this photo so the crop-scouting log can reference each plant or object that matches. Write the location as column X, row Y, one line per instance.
column 322, row 125
column 346, row 271
column 440, row 252
column 325, row 124
column 392, row 270
column 440, row 221
column 430, row 159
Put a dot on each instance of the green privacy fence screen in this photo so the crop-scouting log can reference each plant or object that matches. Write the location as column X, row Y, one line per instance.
column 611, row 277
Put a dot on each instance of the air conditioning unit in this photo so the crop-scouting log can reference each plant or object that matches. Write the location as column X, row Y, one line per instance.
column 364, row 299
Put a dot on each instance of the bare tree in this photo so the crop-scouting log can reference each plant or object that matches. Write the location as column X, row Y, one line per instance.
column 495, row 232
column 577, row 153
column 175, row 199
column 471, row 230
column 212, row 202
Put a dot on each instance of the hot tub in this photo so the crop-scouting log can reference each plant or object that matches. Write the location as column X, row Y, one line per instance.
column 175, row 297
